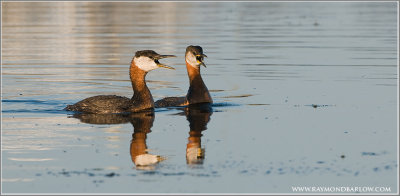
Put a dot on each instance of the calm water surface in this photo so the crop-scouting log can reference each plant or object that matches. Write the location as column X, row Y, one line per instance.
column 305, row 95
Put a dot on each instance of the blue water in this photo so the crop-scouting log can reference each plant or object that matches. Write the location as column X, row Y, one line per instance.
column 305, row 94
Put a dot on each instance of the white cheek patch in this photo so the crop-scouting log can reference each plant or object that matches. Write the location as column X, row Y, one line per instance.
column 191, row 59
column 145, row 63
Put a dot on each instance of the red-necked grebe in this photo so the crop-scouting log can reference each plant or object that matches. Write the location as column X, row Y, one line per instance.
column 198, row 92
column 143, row 62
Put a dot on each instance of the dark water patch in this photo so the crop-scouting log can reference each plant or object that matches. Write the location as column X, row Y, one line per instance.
column 31, row 101
column 88, row 173
column 219, row 110
column 373, row 153
column 238, row 96
column 91, row 174
column 319, row 105
column 244, row 171
column 112, row 174
column 369, row 154
column 150, row 172
column 51, row 111
column 181, row 173
column 33, row 106
column 224, row 104
column 174, row 174
column 101, row 119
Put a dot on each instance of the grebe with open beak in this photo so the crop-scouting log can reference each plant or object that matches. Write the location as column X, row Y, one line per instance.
column 198, row 92
column 143, row 62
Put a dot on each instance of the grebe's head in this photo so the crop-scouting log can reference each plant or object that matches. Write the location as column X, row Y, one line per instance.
column 194, row 56
column 147, row 60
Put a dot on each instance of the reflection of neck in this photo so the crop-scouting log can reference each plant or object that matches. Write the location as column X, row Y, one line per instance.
column 142, row 123
column 142, row 98
column 138, row 144
column 198, row 92
column 194, row 139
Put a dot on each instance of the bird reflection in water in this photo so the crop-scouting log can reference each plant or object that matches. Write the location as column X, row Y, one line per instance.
column 142, row 123
column 139, row 151
column 198, row 116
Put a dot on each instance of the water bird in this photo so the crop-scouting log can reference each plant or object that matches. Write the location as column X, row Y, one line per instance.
column 143, row 62
column 198, row 92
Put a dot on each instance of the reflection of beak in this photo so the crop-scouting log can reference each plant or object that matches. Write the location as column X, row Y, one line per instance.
column 200, row 62
column 163, row 65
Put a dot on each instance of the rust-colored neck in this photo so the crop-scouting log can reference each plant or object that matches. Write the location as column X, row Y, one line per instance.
column 198, row 92
column 193, row 73
column 142, row 98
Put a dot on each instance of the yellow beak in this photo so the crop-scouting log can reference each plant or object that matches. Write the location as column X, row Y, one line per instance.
column 201, row 62
column 164, row 66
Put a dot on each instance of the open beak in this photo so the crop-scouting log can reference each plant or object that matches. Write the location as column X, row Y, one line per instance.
column 200, row 59
column 202, row 63
column 163, row 65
